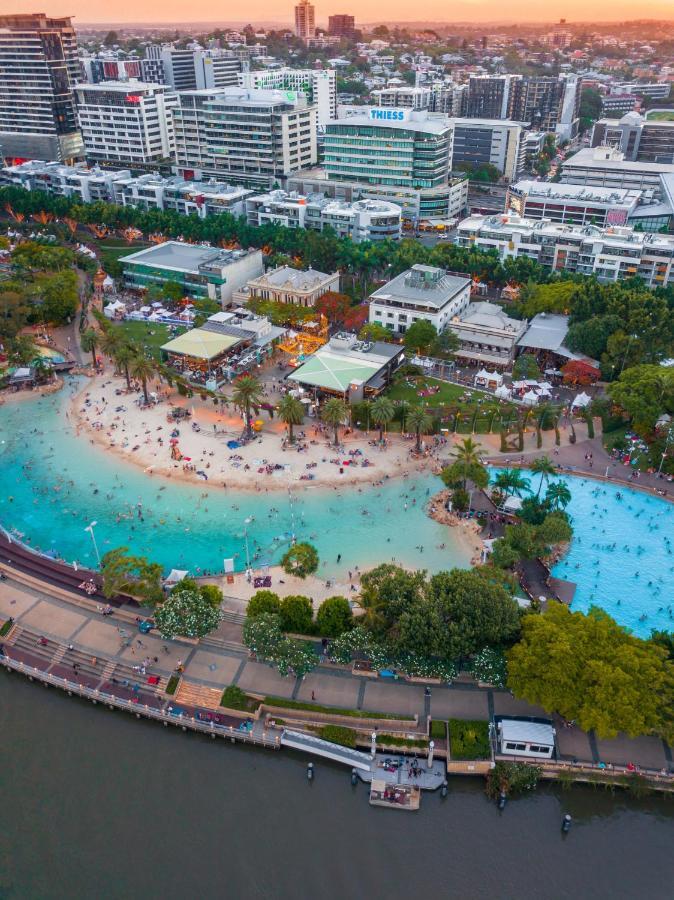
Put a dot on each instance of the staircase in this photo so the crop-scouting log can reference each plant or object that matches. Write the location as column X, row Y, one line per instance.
column 191, row 694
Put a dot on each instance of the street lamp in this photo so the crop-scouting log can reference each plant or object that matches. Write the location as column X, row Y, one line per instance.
column 664, row 454
column 90, row 529
column 245, row 534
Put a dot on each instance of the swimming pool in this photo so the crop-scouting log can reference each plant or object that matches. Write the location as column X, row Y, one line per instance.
column 53, row 484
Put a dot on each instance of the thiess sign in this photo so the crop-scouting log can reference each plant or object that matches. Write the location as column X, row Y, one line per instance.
column 388, row 115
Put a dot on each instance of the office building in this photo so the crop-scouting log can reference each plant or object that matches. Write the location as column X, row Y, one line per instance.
column 658, row 90
column 421, row 293
column 488, row 141
column 38, row 69
column 608, row 167
column 362, row 220
column 402, row 97
column 610, row 254
column 284, row 284
column 572, row 204
column 244, row 136
column 389, row 146
column 342, row 26
column 617, row 104
column 638, row 138
column 126, row 122
column 319, row 86
column 305, row 22
column 200, row 271
column 444, row 203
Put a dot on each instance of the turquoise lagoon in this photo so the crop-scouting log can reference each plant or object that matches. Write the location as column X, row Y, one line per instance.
column 53, row 484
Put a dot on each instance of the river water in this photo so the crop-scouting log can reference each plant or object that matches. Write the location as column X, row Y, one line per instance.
column 96, row 804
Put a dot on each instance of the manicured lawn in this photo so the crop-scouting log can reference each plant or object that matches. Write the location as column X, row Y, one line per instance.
column 664, row 115
column 409, row 388
column 152, row 337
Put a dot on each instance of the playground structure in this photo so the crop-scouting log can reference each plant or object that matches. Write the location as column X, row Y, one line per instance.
column 300, row 344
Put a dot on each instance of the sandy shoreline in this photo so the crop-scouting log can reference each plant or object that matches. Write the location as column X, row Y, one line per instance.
column 110, row 418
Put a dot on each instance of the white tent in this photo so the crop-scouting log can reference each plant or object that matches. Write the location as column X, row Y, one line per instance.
column 176, row 576
column 582, row 400
column 503, row 392
column 112, row 308
column 530, row 398
column 145, row 309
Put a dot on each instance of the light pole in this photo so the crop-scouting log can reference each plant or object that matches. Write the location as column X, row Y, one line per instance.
column 90, row 529
column 245, row 534
column 664, row 453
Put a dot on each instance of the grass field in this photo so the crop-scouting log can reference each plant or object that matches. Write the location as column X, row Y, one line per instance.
column 408, row 389
column 152, row 337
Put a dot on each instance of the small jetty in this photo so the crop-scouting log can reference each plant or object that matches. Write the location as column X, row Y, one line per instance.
column 394, row 796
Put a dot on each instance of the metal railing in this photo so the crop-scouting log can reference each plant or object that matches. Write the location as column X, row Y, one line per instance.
column 138, row 708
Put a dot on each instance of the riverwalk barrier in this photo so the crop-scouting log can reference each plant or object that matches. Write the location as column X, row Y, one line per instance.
column 269, row 738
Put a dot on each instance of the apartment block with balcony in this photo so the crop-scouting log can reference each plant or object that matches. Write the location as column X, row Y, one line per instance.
column 610, row 254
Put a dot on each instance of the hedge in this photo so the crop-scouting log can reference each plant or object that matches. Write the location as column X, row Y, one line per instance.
column 333, row 710
column 346, row 737
column 469, row 739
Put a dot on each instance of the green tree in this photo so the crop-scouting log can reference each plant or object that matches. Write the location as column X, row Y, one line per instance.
column 544, row 467
column 474, row 612
column 171, row 290
column 558, row 495
column 420, row 422
column 373, row 331
column 526, row 367
column 382, row 412
column 334, row 414
column 188, row 613
column 420, row 337
column 300, row 560
column 291, row 411
column 247, row 394
column 143, row 369
column 89, row 341
column 386, row 592
column 511, row 482
column 645, row 393
column 466, row 466
column 14, row 312
column 123, row 357
column 587, row 668
column 334, row 617
column 125, row 573
column 263, row 603
column 211, row 594
column 297, row 614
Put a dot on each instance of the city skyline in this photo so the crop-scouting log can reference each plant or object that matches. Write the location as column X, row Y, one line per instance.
column 367, row 12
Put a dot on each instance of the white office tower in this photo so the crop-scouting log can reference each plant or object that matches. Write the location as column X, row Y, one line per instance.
column 126, row 122
column 305, row 21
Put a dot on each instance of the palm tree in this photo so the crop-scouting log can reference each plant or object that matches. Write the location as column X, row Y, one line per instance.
column 558, row 495
column 509, row 481
column 143, row 369
column 382, row 413
column 467, row 458
column 334, row 413
column 89, row 341
column 246, row 394
column 420, row 421
column 290, row 411
column 544, row 467
column 123, row 356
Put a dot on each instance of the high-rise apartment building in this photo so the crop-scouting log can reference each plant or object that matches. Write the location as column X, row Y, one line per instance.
column 305, row 20
column 126, row 122
column 244, row 136
column 38, row 68
column 488, row 96
column 639, row 139
column 342, row 26
column 194, row 70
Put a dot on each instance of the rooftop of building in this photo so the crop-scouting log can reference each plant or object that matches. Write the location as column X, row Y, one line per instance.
column 423, row 283
column 345, row 361
column 184, row 257
column 577, row 192
column 607, row 158
column 200, row 343
column 482, row 314
column 413, row 121
column 130, row 87
column 293, row 279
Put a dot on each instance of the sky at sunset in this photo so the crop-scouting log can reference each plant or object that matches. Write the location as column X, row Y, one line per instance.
column 84, row 11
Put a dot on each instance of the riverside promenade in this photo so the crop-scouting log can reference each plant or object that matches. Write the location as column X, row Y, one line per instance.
column 67, row 637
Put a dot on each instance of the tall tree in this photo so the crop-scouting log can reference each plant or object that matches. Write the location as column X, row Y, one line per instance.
column 544, row 467
column 420, row 422
column 382, row 413
column 143, row 369
column 89, row 341
column 334, row 414
column 291, row 411
column 247, row 393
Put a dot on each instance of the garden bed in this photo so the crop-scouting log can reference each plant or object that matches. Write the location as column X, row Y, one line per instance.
column 469, row 739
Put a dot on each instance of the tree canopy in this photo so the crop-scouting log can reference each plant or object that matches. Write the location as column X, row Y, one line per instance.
column 587, row 668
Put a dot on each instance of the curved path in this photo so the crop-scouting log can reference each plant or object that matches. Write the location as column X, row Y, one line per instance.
column 104, row 645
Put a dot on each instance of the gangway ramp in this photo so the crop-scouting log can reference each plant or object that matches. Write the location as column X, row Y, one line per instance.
column 297, row 740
